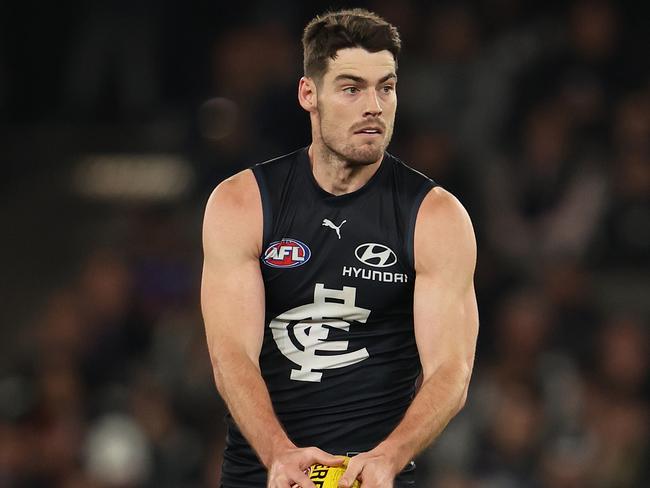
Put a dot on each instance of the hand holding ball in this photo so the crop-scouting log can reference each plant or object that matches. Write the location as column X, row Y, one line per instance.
column 328, row 476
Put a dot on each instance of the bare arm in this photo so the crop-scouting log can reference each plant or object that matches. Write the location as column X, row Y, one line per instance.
column 446, row 327
column 232, row 301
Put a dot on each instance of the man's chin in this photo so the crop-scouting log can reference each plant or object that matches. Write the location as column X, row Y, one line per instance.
column 365, row 154
column 361, row 154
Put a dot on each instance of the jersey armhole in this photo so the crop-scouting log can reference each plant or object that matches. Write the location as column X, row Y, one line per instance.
column 410, row 230
column 267, row 211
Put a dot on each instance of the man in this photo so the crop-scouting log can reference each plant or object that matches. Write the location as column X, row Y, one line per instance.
column 334, row 278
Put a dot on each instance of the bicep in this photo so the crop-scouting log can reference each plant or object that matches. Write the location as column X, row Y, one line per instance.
column 232, row 290
column 232, row 301
column 445, row 309
column 446, row 325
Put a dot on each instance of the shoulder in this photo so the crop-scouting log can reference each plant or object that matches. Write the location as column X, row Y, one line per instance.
column 234, row 211
column 238, row 193
column 442, row 207
column 443, row 230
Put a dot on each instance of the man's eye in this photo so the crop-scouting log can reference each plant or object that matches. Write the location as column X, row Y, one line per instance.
column 351, row 89
column 388, row 88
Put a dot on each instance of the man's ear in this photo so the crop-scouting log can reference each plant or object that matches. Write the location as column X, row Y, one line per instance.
column 307, row 95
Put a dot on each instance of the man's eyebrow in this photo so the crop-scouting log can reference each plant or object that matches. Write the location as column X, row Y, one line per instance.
column 358, row 79
column 389, row 76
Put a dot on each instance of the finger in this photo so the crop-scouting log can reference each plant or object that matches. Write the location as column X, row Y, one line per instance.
column 302, row 480
column 351, row 474
column 284, row 480
column 322, row 457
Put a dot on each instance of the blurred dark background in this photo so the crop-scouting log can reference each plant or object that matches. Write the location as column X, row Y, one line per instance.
column 118, row 117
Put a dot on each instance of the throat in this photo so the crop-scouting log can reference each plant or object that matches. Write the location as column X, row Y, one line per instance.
column 337, row 176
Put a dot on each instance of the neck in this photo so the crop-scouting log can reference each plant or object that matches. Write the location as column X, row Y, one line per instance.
column 336, row 175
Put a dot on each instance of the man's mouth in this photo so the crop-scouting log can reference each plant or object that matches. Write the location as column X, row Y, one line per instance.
column 370, row 131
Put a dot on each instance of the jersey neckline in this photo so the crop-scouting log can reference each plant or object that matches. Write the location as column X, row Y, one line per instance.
column 305, row 163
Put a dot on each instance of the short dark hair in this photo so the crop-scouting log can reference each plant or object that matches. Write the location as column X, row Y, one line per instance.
column 331, row 31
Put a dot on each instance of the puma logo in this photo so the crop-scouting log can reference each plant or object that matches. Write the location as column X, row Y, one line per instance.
column 330, row 224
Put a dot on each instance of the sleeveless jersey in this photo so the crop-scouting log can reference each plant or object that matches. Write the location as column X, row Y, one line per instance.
column 339, row 356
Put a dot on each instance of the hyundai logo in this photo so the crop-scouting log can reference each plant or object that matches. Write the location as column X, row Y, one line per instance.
column 375, row 255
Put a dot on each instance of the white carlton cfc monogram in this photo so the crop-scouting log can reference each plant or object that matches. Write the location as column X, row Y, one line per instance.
column 301, row 333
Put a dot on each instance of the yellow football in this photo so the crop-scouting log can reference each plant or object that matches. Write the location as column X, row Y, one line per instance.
column 328, row 476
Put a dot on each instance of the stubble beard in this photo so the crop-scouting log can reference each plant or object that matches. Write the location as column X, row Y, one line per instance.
column 361, row 154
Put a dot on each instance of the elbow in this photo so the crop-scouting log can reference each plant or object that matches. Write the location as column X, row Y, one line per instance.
column 455, row 377
column 220, row 373
column 464, row 387
column 218, row 377
column 227, row 369
column 462, row 400
column 461, row 374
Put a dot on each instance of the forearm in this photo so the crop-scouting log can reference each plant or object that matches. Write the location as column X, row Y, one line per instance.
column 439, row 399
column 241, row 385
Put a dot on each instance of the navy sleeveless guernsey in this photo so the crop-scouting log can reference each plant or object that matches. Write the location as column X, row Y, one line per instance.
column 339, row 354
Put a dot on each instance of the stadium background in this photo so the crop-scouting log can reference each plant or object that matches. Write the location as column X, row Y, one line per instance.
column 117, row 119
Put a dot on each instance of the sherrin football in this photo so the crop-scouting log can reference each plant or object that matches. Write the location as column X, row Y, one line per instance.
column 328, row 476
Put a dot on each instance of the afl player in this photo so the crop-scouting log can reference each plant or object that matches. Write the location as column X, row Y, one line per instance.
column 334, row 277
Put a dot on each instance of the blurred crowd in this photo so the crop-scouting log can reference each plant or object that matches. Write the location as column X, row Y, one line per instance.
column 535, row 114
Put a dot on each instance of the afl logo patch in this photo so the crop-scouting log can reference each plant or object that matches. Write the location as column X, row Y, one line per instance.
column 375, row 255
column 287, row 253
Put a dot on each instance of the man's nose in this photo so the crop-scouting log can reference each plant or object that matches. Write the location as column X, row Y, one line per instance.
column 373, row 106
